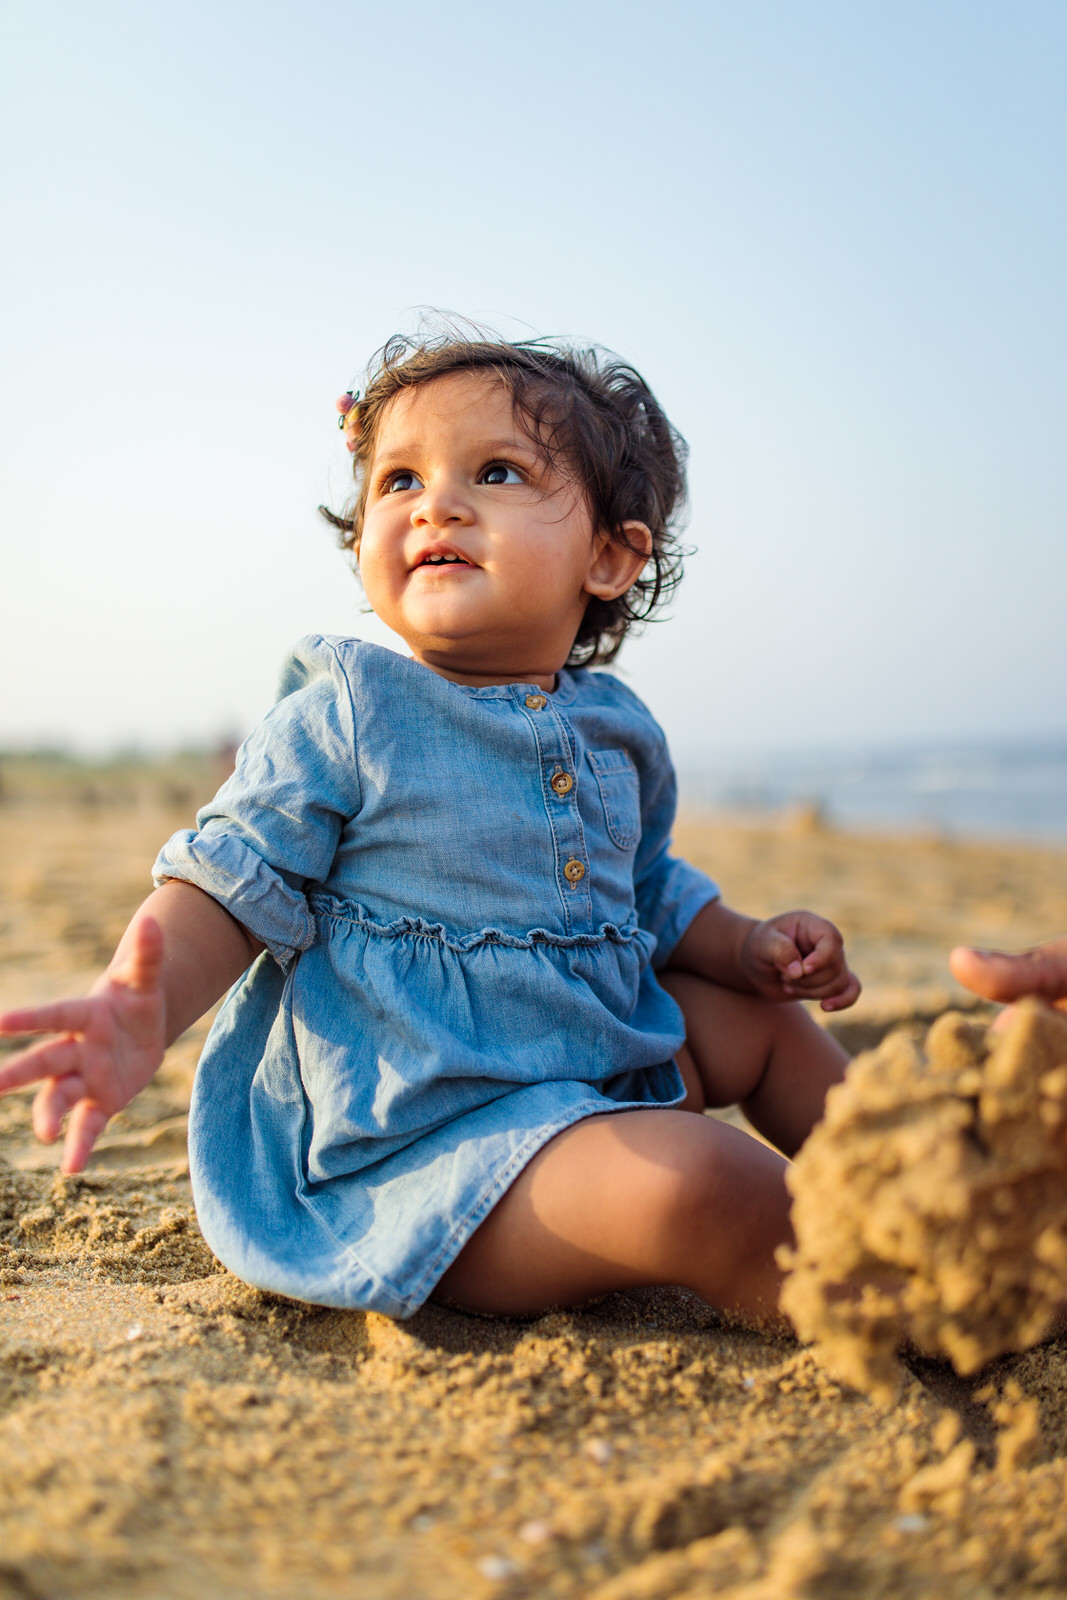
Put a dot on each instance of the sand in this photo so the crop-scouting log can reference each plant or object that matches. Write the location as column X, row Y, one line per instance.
column 930, row 1204
column 166, row 1431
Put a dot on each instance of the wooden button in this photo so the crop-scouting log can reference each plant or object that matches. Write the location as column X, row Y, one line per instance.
column 562, row 783
column 574, row 872
column 536, row 702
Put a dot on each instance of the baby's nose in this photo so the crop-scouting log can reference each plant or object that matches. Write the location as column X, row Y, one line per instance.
column 442, row 504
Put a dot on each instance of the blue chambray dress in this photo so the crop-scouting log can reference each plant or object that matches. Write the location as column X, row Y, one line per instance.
column 462, row 892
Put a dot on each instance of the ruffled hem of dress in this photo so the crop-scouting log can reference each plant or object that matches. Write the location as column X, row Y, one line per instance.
column 349, row 1283
column 417, row 927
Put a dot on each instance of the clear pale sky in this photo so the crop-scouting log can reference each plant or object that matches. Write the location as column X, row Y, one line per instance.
column 831, row 235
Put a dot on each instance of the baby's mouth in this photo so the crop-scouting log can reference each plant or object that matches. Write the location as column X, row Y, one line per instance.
column 436, row 559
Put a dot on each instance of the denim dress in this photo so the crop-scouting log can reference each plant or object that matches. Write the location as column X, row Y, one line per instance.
column 463, row 893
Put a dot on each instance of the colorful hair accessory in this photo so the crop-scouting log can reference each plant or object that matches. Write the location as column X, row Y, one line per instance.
column 349, row 420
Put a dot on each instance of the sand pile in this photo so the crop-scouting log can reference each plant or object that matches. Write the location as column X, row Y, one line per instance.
column 930, row 1205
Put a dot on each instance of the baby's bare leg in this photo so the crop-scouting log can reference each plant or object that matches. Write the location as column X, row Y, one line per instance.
column 770, row 1058
column 657, row 1196
column 633, row 1197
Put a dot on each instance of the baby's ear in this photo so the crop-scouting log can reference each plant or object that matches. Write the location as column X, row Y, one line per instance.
column 615, row 566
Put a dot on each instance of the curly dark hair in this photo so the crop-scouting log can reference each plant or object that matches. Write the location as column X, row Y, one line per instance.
column 594, row 417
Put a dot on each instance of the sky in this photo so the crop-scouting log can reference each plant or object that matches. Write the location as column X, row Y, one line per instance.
column 831, row 236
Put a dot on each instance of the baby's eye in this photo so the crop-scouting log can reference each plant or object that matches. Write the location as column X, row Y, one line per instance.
column 501, row 472
column 398, row 482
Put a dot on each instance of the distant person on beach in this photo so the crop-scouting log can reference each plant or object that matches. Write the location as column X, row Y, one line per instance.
column 474, row 1000
column 997, row 976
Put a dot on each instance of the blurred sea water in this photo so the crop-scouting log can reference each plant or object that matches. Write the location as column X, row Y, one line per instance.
column 1004, row 789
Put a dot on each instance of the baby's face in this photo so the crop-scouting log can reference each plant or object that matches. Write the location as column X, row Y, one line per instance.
column 476, row 551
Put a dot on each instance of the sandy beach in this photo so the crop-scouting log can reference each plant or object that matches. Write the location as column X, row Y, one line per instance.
column 167, row 1432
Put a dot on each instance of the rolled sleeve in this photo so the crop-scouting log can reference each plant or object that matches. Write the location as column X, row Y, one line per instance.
column 674, row 895
column 224, row 866
column 668, row 891
column 273, row 829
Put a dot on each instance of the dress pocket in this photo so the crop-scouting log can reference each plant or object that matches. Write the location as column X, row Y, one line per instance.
column 620, row 795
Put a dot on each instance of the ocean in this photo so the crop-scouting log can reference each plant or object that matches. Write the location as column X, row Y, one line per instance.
column 1004, row 789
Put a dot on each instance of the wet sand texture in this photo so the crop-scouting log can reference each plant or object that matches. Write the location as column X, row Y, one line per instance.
column 930, row 1205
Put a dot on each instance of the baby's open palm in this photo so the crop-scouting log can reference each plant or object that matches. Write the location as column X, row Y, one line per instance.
column 107, row 1048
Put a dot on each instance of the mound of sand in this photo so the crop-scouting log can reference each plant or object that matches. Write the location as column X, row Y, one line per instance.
column 930, row 1205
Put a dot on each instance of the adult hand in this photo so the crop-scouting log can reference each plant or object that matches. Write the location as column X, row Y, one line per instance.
column 799, row 956
column 109, row 1045
column 997, row 976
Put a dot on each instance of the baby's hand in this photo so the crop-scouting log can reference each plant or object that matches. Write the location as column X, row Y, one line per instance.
column 799, row 956
column 110, row 1044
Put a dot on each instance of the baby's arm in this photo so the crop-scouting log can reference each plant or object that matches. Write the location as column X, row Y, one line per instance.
column 795, row 956
column 180, row 953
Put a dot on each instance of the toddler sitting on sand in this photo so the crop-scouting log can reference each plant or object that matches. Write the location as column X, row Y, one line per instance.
column 474, row 1001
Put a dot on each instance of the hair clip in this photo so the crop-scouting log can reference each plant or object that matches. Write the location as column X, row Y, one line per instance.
column 349, row 420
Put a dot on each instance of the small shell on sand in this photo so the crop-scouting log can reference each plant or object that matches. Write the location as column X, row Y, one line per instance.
column 930, row 1205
